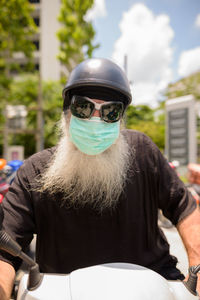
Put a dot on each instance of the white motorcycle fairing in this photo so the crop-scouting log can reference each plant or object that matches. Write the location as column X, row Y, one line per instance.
column 116, row 281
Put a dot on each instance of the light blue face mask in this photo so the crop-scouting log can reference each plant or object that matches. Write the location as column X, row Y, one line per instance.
column 93, row 136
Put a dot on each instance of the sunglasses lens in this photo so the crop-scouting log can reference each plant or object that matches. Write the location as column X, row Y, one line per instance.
column 112, row 112
column 81, row 107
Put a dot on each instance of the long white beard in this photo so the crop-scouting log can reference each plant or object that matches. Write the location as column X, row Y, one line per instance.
column 97, row 180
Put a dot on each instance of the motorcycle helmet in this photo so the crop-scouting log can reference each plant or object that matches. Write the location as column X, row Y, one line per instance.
column 97, row 78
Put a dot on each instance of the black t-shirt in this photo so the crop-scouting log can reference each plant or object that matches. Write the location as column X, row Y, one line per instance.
column 72, row 238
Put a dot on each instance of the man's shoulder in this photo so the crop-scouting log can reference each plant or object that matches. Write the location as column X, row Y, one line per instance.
column 135, row 137
column 39, row 160
column 143, row 145
column 42, row 155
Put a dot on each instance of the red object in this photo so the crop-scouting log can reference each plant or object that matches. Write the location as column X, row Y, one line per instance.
column 4, row 187
column 171, row 165
column 1, row 198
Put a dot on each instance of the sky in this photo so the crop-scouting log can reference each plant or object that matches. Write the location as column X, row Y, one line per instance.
column 159, row 38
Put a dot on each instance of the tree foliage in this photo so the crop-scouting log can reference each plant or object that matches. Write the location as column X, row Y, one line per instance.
column 138, row 113
column 24, row 91
column 149, row 121
column 76, row 34
column 185, row 86
column 16, row 28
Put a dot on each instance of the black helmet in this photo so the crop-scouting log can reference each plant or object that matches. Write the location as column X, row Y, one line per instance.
column 99, row 78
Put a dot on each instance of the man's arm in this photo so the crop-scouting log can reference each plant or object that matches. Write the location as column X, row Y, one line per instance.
column 7, row 277
column 189, row 230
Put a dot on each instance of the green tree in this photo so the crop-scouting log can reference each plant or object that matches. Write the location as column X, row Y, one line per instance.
column 149, row 121
column 76, row 34
column 136, row 113
column 24, row 91
column 16, row 28
column 185, row 86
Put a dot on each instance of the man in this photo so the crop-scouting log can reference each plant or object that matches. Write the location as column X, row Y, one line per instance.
column 94, row 198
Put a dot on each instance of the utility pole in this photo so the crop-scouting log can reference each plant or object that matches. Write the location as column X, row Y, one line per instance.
column 126, row 67
column 125, row 64
column 40, row 122
column 5, row 137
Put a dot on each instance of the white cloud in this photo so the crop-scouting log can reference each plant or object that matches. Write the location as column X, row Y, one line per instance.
column 97, row 11
column 189, row 62
column 144, row 93
column 145, row 39
column 197, row 21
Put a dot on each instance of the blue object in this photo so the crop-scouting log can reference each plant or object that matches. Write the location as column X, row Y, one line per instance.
column 15, row 164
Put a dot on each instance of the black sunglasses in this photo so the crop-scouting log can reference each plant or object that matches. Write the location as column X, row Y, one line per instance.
column 84, row 107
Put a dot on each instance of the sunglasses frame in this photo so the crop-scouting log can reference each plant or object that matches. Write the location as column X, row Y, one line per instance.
column 98, row 106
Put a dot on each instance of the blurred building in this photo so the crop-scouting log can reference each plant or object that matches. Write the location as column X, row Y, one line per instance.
column 181, row 129
column 46, row 42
